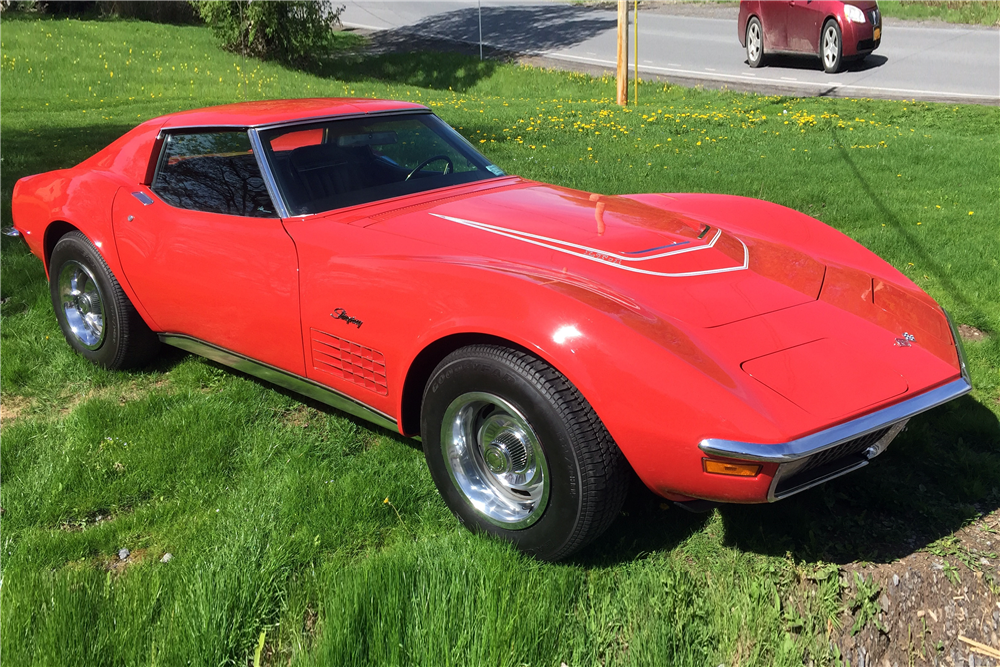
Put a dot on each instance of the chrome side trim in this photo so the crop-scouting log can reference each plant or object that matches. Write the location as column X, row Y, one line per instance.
column 786, row 452
column 269, row 373
column 265, row 170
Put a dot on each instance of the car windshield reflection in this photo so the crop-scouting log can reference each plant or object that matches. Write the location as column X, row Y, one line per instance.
column 337, row 163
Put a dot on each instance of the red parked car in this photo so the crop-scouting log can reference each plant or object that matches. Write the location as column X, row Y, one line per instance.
column 834, row 31
column 542, row 341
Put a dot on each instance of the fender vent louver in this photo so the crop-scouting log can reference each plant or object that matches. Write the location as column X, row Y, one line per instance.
column 350, row 361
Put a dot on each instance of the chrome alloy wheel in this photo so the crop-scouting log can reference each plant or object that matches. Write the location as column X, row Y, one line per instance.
column 81, row 301
column 831, row 46
column 754, row 42
column 494, row 459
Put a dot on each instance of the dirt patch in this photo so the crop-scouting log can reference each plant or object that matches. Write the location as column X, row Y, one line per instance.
column 133, row 391
column 300, row 416
column 920, row 606
column 11, row 406
column 86, row 523
column 118, row 565
column 971, row 333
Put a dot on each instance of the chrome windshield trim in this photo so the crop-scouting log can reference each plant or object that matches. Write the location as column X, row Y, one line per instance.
column 282, row 378
column 793, row 450
column 342, row 116
column 265, row 171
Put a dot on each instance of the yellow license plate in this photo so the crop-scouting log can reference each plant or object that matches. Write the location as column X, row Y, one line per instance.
column 878, row 33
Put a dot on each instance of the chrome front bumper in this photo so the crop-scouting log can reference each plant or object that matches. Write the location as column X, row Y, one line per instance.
column 819, row 457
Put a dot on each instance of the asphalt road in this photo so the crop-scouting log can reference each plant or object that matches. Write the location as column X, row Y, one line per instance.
column 934, row 63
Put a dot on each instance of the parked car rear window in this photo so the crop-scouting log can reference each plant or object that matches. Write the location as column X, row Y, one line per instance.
column 337, row 163
column 215, row 172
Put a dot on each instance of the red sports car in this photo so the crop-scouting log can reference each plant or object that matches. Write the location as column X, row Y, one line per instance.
column 833, row 30
column 541, row 340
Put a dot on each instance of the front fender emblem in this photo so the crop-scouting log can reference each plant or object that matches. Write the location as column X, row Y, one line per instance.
column 341, row 314
column 906, row 339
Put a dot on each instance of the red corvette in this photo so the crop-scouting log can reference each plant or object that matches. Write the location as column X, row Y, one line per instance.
column 834, row 30
column 542, row 341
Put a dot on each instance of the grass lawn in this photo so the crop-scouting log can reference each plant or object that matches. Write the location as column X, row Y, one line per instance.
column 981, row 12
column 274, row 510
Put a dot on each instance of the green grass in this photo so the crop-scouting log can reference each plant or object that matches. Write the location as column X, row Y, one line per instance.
column 981, row 12
column 274, row 509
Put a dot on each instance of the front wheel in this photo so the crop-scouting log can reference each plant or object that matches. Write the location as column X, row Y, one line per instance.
column 517, row 452
column 755, row 43
column 94, row 313
column 832, row 47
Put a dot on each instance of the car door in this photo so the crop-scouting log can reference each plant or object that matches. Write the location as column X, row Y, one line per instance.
column 206, row 253
column 773, row 16
column 805, row 20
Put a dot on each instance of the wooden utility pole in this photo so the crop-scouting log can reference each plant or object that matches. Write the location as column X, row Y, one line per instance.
column 622, row 52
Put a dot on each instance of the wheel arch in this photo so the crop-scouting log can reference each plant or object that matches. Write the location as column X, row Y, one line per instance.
column 426, row 361
column 822, row 27
column 53, row 232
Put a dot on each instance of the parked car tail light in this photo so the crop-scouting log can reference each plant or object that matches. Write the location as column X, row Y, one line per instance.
column 728, row 468
column 853, row 14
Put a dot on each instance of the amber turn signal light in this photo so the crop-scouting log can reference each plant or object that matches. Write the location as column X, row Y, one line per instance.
column 727, row 468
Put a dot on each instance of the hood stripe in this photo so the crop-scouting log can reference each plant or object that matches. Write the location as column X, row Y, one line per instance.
column 600, row 255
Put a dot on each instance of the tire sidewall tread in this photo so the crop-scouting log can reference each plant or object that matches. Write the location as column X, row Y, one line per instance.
column 588, row 475
column 128, row 341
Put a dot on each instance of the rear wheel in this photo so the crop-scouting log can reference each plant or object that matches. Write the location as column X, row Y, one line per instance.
column 94, row 314
column 755, row 43
column 831, row 47
column 517, row 452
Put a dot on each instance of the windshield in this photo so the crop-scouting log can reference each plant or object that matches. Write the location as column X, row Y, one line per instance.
column 336, row 163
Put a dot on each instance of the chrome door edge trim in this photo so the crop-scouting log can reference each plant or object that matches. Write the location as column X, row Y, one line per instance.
column 793, row 450
column 282, row 378
column 265, row 170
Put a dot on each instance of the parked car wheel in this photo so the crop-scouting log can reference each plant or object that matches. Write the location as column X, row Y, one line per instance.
column 755, row 43
column 832, row 47
column 517, row 452
column 94, row 314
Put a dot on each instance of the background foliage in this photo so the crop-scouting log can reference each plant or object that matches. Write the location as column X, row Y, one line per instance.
column 292, row 32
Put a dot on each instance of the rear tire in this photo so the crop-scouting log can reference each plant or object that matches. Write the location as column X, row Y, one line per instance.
column 517, row 452
column 831, row 47
column 755, row 42
column 94, row 314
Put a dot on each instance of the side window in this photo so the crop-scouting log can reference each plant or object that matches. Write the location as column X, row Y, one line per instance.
column 214, row 172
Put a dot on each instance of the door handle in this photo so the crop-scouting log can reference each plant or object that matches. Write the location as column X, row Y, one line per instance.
column 143, row 197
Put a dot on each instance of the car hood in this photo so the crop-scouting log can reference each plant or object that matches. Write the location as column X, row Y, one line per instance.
column 684, row 267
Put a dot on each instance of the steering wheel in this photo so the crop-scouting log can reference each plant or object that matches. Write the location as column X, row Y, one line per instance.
column 448, row 168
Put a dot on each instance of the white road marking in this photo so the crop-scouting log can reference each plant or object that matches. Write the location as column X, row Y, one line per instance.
column 831, row 85
column 788, row 78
